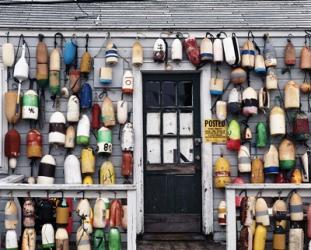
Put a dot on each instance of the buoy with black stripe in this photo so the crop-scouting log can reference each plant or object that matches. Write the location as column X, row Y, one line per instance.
column 296, row 207
column 192, row 50
column 107, row 173
column 296, row 238
column 72, row 172
column 82, row 239
column 269, row 52
column 57, row 128
column 8, row 54
column 11, row 242
column 73, row 109
column 206, row 48
column 221, row 110
column 244, row 159
column 218, row 49
column 260, row 237
column 232, row 50
column 234, row 101
column 261, row 135
column 128, row 82
column 238, row 76
column 137, row 54
column 271, row 160
column 291, row 95
column 108, row 115
column 177, row 50
column 42, row 56
column 62, row 239
column 83, row 130
column 104, row 141
column 287, row 154
column 261, row 208
column 233, row 136
column 159, row 50
column 12, row 142
column 122, row 111
column 248, row 54
column 47, row 167
column 11, row 219
column 249, row 102
column 277, row 121
column 87, row 161
column 279, row 211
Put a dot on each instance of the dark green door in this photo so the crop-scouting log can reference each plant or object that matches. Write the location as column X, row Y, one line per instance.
column 172, row 153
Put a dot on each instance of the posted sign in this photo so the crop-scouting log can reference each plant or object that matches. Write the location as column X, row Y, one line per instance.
column 215, row 131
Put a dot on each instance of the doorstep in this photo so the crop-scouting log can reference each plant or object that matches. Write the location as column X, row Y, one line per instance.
column 179, row 245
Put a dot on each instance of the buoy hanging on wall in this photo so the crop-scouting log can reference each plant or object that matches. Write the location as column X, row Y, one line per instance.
column 107, row 174
column 159, row 50
column 47, row 167
column 83, row 130
column 128, row 82
column 104, row 141
column 73, row 109
column 8, row 53
column 111, row 54
column 108, row 114
column 12, row 142
column 137, row 54
column 34, row 144
column 30, row 105
column 206, row 48
column 57, row 128
column 42, row 56
column 72, row 172
column 105, row 75
column 177, row 50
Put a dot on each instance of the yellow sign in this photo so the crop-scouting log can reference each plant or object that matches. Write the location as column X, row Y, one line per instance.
column 215, row 131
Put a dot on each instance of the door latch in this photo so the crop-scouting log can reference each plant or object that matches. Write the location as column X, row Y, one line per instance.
column 197, row 141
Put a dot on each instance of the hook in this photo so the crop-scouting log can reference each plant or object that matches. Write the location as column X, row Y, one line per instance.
column 289, row 37
column 279, row 194
column 209, row 35
column 221, row 32
column 250, row 34
column 100, row 194
column 83, row 193
column 108, row 35
column 103, row 93
column 48, row 194
column 11, row 194
column 7, row 36
column 259, row 194
column 28, row 194
column 87, row 42
column 141, row 35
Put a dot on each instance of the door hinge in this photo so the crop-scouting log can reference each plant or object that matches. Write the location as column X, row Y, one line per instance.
column 197, row 141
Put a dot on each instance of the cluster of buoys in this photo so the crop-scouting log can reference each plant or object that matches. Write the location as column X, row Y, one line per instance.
column 75, row 127
column 100, row 228
column 286, row 220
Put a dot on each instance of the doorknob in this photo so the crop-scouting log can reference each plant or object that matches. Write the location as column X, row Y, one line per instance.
column 197, row 141
column 198, row 157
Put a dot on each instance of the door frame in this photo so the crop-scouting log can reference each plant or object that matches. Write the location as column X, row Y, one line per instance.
column 206, row 148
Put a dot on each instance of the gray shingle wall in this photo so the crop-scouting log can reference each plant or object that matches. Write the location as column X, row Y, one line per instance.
column 160, row 14
column 124, row 45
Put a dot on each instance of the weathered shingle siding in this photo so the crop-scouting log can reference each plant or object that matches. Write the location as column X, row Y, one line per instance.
column 160, row 14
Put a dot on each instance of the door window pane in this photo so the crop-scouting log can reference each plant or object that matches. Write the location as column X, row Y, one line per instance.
column 152, row 93
column 153, row 123
column 185, row 93
column 186, row 123
column 170, row 123
column 169, row 150
column 186, row 150
column 153, row 150
column 168, row 94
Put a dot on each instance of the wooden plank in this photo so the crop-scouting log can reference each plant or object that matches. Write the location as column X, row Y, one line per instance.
column 131, row 224
column 12, row 179
column 231, row 220
column 172, row 169
column 206, row 154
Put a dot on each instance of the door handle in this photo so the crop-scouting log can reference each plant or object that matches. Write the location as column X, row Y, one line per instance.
column 197, row 141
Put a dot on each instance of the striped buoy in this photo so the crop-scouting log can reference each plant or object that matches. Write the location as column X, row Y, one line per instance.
column 42, row 56
column 249, row 102
column 222, row 172
column 248, row 54
column 10, row 215
column 111, row 54
column 279, row 238
column 287, row 154
column 261, row 208
column 206, row 49
column 104, row 141
column 296, row 207
column 216, row 86
column 57, row 128
column 234, row 101
column 46, row 174
column 279, row 210
column 105, row 75
column 271, row 159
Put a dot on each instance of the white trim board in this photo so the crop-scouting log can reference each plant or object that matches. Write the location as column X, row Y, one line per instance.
column 206, row 148
column 4, row 169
